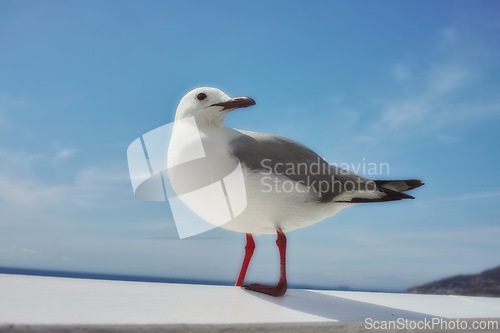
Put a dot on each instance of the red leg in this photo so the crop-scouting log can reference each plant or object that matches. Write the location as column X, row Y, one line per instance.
column 248, row 255
column 281, row 287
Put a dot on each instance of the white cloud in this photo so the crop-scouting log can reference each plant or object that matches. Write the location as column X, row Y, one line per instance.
column 436, row 95
column 9, row 104
column 404, row 114
column 402, row 72
column 446, row 93
column 426, row 107
column 448, row 36
column 27, row 196
column 65, row 153
column 446, row 78
column 442, row 101
column 15, row 253
column 492, row 195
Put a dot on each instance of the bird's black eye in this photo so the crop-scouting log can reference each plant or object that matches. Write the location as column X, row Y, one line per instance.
column 201, row 96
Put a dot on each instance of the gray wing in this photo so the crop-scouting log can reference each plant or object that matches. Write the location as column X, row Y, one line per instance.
column 267, row 152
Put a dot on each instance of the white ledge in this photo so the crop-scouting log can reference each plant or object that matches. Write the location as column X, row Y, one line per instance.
column 46, row 303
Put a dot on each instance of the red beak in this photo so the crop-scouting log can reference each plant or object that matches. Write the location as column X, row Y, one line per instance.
column 236, row 103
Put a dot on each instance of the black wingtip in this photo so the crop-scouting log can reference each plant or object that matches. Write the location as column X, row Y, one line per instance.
column 413, row 183
column 393, row 195
column 389, row 196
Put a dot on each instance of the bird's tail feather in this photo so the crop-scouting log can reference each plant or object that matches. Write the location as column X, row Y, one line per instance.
column 390, row 190
column 399, row 185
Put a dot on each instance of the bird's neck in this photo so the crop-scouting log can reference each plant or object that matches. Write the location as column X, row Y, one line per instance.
column 210, row 122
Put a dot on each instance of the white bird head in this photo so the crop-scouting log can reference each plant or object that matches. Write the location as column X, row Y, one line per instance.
column 209, row 106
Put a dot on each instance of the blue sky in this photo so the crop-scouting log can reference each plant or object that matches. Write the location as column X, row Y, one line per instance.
column 413, row 84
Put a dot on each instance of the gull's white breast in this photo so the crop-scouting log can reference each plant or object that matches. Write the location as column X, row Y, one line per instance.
column 202, row 156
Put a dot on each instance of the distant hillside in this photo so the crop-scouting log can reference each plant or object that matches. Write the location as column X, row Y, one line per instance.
column 486, row 283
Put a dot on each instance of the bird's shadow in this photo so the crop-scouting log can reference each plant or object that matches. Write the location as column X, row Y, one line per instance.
column 337, row 308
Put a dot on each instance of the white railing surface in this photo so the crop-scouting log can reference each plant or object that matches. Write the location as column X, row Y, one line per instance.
column 50, row 304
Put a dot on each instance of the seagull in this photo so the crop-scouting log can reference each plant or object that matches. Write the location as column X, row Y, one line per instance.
column 287, row 185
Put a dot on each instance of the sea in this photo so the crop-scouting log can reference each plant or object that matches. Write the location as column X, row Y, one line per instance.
column 156, row 279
